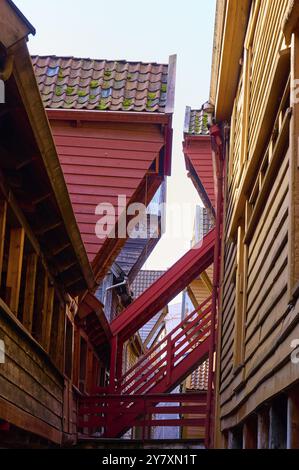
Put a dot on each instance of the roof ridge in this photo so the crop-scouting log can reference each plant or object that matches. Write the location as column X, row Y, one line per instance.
column 124, row 61
column 95, row 84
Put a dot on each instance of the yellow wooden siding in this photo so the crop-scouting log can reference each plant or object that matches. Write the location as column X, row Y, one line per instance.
column 265, row 276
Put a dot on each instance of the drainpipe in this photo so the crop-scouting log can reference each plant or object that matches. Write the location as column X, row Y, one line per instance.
column 217, row 145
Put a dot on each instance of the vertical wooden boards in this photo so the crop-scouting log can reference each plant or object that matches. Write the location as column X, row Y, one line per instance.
column 14, row 271
column 39, row 303
column 3, row 212
column 263, row 423
column 294, row 170
column 293, row 420
column 47, row 318
column 250, row 433
column 239, row 301
column 29, row 291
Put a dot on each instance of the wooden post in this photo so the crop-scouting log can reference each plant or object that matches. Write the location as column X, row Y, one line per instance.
column 76, row 362
column 263, row 429
column 235, row 437
column 60, row 344
column 47, row 318
column 89, row 385
column 14, row 271
column 29, row 291
column 169, row 364
column 113, row 360
column 239, row 302
column 250, row 433
column 294, row 170
column 293, row 420
column 3, row 212
column 40, row 305
column 278, row 424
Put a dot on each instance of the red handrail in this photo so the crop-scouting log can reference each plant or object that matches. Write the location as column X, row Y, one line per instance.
column 153, row 370
column 170, row 334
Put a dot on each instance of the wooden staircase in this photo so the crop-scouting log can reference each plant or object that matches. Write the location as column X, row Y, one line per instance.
column 137, row 396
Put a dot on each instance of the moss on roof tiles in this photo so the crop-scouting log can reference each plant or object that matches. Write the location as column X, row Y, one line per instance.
column 91, row 83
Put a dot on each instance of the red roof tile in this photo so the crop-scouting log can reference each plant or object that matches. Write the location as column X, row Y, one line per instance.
column 198, row 153
column 199, row 378
column 74, row 83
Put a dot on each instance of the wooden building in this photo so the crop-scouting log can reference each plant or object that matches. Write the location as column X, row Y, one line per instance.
column 53, row 329
column 253, row 88
column 112, row 125
column 44, row 265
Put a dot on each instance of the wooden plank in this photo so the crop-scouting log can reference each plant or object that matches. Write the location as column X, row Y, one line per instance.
column 14, row 270
column 263, row 419
column 293, row 277
column 29, row 291
column 250, row 433
column 89, row 370
column 24, row 420
column 239, row 302
column 3, row 213
column 60, row 349
column 47, row 319
column 40, row 304
column 293, row 420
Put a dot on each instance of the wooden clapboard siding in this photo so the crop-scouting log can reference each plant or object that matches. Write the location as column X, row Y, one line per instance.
column 29, row 382
column 256, row 320
column 101, row 161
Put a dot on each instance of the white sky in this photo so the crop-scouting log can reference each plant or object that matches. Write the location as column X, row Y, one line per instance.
column 145, row 31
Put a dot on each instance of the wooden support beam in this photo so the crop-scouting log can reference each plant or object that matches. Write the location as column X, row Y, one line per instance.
column 294, row 172
column 29, row 291
column 239, row 302
column 293, row 420
column 263, row 423
column 40, row 304
column 76, row 362
column 47, row 317
column 89, row 370
column 207, row 281
column 60, row 349
column 48, row 227
column 3, row 212
column 250, row 433
column 14, row 270
column 235, row 439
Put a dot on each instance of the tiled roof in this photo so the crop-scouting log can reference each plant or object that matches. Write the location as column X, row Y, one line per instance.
column 199, row 378
column 144, row 280
column 73, row 83
column 197, row 120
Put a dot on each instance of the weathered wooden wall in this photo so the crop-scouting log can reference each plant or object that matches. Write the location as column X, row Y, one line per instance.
column 257, row 324
column 31, row 388
column 101, row 161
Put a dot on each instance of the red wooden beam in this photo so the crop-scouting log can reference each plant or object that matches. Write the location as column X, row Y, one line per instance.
column 179, row 373
column 191, row 265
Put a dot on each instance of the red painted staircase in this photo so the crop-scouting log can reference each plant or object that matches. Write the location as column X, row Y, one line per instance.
column 166, row 288
column 139, row 393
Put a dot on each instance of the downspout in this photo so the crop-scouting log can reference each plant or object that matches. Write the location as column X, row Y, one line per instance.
column 217, row 145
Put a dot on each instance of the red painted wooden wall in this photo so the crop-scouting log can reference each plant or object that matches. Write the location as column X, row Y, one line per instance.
column 197, row 150
column 102, row 160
